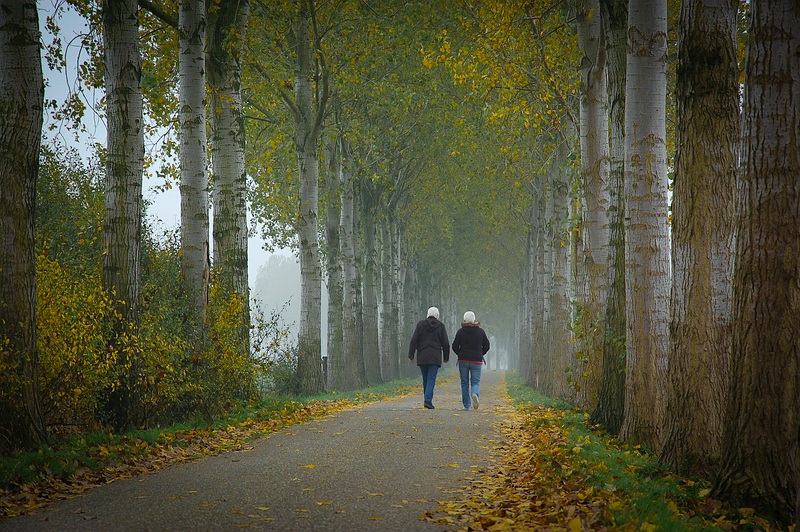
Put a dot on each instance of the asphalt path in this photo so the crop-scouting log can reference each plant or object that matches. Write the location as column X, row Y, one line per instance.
column 374, row 467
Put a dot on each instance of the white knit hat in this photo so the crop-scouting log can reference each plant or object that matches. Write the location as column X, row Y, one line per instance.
column 433, row 311
column 469, row 317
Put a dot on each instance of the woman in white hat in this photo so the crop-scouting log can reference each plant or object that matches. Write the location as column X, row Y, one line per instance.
column 470, row 344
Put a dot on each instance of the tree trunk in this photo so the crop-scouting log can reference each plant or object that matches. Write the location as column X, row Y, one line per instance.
column 541, row 356
column 358, row 284
column 761, row 451
column 560, row 300
column 227, row 20
column 389, row 366
column 595, row 161
column 21, row 114
column 307, row 130
column 351, row 309
column 372, row 361
column 611, row 403
column 195, row 249
column 646, row 241
column 123, row 194
column 334, row 266
column 703, row 216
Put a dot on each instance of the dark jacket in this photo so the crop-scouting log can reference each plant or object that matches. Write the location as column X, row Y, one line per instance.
column 429, row 341
column 470, row 342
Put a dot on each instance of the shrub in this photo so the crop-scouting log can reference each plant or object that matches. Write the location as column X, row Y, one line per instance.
column 74, row 365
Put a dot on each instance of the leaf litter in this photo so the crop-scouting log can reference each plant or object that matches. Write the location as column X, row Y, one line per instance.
column 541, row 477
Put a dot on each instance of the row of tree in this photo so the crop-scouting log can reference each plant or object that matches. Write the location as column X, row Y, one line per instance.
column 508, row 157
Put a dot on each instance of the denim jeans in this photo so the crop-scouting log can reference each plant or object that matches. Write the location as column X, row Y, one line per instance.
column 428, row 382
column 470, row 382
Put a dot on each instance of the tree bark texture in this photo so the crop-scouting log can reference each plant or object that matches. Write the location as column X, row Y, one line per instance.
column 646, row 241
column 372, row 360
column 703, row 222
column 761, row 451
column 334, row 266
column 306, row 136
column 195, row 248
column 610, row 406
column 226, row 21
column 560, row 297
column 351, row 309
column 21, row 115
column 389, row 352
column 123, row 192
column 595, row 167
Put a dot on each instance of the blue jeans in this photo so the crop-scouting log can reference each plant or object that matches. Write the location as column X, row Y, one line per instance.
column 470, row 382
column 428, row 382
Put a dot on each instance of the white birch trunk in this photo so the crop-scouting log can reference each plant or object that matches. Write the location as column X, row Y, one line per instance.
column 560, row 300
column 195, row 249
column 123, row 186
column 646, row 241
column 307, row 131
column 227, row 21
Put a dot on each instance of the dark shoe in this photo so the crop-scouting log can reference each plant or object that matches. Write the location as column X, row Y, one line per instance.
column 429, row 406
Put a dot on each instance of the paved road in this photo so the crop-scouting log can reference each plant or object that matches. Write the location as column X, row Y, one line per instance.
column 376, row 467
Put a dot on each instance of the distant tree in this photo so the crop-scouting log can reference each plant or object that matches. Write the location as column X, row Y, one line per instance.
column 703, row 223
column 351, row 300
column 761, row 435
column 333, row 259
column 21, row 114
column 646, row 243
column 123, row 192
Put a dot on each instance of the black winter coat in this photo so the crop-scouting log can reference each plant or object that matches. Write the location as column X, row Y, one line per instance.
column 429, row 341
column 471, row 342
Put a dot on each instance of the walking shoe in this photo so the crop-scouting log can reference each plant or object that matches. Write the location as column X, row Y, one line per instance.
column 475, row 402
column 430, row 406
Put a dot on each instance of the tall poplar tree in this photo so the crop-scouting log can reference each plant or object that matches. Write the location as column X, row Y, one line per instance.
column 595, row 162
column 761, row 435
column 308, row 116
column 703, row 215
column 21, row 114
column 611, row 403
column 226, row 25
column 646, row 241
column 195, row 248
column 122, row 227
